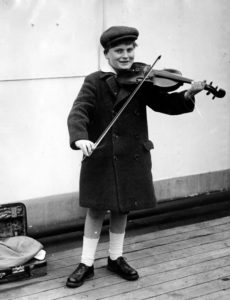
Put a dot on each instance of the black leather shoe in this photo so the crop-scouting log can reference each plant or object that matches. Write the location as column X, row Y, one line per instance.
column 78, row 277
column 122, row 268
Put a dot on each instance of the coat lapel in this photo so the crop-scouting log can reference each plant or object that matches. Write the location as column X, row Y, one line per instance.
column 123, row 94
column 113, row 86
column 119, row 93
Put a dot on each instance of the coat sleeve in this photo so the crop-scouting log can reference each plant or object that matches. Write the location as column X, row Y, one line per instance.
column 81, row 111
column 168, row 103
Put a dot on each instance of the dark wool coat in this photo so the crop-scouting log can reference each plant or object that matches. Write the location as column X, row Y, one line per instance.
column 117, row 176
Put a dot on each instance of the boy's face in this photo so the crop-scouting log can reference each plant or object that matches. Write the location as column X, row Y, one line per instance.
column 121, row 57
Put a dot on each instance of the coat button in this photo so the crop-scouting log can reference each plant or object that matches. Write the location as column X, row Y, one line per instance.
column 115, row 136
column 136, row 112
column 136, row 156
column 137, row 136
column 115, row 157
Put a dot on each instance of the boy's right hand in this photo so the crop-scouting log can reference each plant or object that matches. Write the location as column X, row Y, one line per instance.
column 86, row 146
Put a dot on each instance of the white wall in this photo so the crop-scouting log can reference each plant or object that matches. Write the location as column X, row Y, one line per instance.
column 48, row 46
column 49, row 38
column 35, row 156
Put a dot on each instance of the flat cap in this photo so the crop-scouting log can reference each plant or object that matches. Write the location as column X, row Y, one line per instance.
column 116, row 34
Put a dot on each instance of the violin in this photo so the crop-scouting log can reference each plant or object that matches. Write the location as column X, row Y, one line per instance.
column 167, row 79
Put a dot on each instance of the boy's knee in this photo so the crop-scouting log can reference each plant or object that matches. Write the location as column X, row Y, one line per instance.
column 96, row 214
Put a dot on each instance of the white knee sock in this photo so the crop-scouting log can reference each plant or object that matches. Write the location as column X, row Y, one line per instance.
column 88, row 251
column 116, row 242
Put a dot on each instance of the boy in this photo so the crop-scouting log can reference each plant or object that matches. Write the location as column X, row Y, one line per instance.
column 116, row 176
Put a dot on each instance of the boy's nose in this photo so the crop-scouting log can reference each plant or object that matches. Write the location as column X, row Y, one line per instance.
column 125, row 54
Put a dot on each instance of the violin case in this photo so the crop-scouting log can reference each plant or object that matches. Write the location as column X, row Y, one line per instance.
column 13, row 222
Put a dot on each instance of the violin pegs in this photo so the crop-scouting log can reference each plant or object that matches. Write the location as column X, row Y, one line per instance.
column 216, row 87
column 207, row 93
column 213, row 97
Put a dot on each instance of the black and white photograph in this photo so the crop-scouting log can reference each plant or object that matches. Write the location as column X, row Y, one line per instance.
column 115, row 149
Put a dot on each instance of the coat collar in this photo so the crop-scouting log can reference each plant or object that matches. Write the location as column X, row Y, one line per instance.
column 108, row 69
column 110, row 75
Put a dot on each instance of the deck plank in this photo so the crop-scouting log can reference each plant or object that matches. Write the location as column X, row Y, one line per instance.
column 196, row 291
column 148, row 289
column 172, row 268
column 180, row 240
column 223, row 294
column 151, row 236
column 185, row 262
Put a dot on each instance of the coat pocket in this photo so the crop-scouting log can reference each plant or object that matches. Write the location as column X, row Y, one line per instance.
column 148, row 145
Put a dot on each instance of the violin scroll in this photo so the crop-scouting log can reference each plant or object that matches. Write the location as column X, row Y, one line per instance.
column 219, row 93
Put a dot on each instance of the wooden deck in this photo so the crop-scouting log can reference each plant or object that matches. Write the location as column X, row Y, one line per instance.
column 184, row 262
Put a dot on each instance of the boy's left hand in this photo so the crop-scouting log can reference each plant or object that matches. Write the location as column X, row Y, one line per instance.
column 196, row 87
